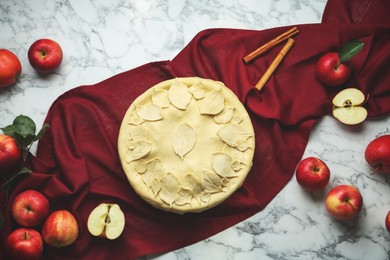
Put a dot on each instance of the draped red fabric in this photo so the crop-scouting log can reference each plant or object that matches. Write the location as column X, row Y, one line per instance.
column 77, row 164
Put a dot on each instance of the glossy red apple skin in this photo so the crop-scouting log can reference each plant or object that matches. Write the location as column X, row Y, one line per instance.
column 10, row 155
column 387, row 221
column 10, row 68
column 344, row 202
column 45, row 55
column 30, row 208
column 377, row 154
column 24, row 243
column 331, row 71
column 312, row 174
column 60, row 229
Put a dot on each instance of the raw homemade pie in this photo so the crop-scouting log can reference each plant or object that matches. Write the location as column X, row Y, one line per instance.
column 186, row 144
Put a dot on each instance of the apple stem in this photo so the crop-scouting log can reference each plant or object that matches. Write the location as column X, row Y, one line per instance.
column 25, row 235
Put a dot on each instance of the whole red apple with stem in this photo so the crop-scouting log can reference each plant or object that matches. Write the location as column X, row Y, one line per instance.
column 387, row 221
column 24, row 243
column 377, row 154
column 30, row 208
column 10, row 68
column 45, row 55
column 333, row 69
column 10, row 155
column 344, row 202
column 312, row 174
column 60, row 229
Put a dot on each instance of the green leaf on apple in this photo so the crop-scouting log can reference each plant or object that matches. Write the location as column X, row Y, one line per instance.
column 350, row 49
column 23, row 131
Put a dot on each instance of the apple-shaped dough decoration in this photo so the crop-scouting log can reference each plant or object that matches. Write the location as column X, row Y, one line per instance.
column 333, row 68
column 106, row 221
column 348, row 106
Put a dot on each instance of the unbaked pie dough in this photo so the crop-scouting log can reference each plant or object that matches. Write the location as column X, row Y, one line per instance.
column 186, row 144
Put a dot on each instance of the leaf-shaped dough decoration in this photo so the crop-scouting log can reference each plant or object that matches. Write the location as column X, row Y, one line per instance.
column 237, row 119
column 154, row 170
column 140, row 166
column 183, row 139
column 135, row 120
column 205, row 197
column 138, row 150
column 184, row 196
column 225, row 116
column 197, row 91
column 192, row 182
column 233, row 133
column 138, row 133
column 155, row 186
column 222, row 165
column 213, row 103
column 242, row 145
column 149, row 112
column 169, row 188
column 160, row 98
column 179, row 95
column 211, row 182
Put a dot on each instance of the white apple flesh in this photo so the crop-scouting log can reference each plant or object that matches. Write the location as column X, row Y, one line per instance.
column 107, row 221
column 348, row 106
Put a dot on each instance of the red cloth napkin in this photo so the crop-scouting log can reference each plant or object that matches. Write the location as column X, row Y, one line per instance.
column 77, row 165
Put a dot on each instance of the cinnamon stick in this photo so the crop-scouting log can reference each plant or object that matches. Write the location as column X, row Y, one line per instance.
column 272, row 43
column 275, row 63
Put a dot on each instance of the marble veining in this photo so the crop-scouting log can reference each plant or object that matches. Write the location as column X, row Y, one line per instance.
column 102, row 38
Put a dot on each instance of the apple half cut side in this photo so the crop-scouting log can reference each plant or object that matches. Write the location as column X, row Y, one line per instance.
column 107, row 221
column 348, row 106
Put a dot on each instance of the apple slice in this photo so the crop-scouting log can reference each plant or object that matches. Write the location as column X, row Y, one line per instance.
column 348, row 106
column 107, row 221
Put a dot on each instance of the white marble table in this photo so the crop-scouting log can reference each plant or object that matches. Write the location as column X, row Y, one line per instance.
column 103, row 38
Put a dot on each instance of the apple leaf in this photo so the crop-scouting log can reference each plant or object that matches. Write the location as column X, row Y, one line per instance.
column 25, row 125
column 23, row 131
column 350, row 49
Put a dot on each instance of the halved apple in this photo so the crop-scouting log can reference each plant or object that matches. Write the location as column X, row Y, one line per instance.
column 348, row 106
column 107, row 221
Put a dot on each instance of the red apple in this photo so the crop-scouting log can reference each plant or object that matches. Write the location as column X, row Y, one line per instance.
column 10, row 154
column 377, row 154
column 344, row 202
column 312, row 174
column 60, row 229
column 387, row 221
column 10, row 68
column 45, row 55
column 331, row 71
column 30, row 208
column 24, row 243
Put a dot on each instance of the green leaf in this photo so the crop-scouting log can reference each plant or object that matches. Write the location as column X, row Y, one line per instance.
column 10, row 130
column 9, row 182
column 41, row 132
column 350, row 49
column 25, row 125
column 24, row 170
column 20, row 140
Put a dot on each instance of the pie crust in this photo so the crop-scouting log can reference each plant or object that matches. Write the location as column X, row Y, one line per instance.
column 186, row 144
